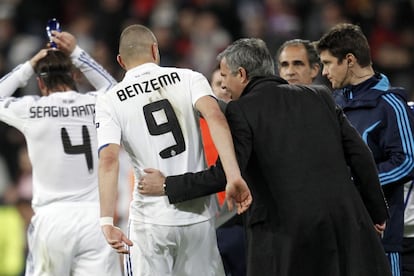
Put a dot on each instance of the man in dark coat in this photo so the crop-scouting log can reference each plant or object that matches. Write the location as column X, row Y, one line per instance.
column 318, row 208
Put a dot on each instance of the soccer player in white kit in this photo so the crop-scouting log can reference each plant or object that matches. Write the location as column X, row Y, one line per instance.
column 153, row 113
column 64, row 236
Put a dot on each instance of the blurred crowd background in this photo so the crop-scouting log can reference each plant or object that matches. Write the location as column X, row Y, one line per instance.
column 190, row 34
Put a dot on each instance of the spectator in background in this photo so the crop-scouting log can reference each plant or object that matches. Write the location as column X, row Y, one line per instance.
column 109, row 16
column 19, row 194
column 24, row 187
column 4, row 177
column 380, row 114
column 321, row 15
column 12, row 239
column 390, row 51
column 208, row 38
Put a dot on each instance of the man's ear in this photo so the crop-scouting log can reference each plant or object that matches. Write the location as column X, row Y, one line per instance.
column 42, row 86
column 243, row 75
column 120, row 61
column 350, row 59
column 155, row 53
column 315, row 70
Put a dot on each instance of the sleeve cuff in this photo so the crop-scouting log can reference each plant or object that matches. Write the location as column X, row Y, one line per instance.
column 77, row 52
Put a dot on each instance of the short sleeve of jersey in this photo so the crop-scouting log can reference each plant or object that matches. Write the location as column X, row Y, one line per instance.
column 108, row 129
column 14, row 111
column 200, row 87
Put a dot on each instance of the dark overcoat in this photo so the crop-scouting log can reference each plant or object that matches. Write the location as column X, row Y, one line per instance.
column 297, row 152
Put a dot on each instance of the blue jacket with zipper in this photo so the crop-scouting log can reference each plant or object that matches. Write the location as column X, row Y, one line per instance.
column 381, row 115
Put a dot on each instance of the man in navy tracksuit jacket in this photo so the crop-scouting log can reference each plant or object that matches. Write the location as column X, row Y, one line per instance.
column 380, row 114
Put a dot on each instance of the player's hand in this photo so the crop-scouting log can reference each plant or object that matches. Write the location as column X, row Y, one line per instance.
column 151, row 183
column 38, row 56
column 116, row 238
column 380, row 228
column 238, row 192
column 65, row 41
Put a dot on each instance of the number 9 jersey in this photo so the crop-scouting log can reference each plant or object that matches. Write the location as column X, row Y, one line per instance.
column 152, row 114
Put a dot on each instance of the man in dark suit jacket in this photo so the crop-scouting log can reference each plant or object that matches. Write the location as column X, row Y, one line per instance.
column 318, row 208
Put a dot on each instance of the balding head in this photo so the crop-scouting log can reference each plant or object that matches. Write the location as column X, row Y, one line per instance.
column 137, row 45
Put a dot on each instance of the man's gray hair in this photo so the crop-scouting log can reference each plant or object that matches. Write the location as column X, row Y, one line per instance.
column 251, row 54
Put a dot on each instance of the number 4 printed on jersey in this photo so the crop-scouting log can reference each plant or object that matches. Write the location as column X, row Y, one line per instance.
column 84, row 148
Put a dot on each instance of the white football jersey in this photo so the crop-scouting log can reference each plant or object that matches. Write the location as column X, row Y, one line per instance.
column 152, row 114
column 60, row 133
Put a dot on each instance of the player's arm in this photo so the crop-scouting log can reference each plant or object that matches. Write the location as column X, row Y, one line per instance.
column 108, row 189
column 396, row 138
column 13, row 111
column 179, row 188
column 221, row 135
column 108, row 178
column 109, row 136
column 98, row 77
column 20, row 75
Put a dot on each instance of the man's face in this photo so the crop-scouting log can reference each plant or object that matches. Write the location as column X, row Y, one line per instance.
column 336, row 71
column 234, row 84
column 294, row 65
column 217, row 87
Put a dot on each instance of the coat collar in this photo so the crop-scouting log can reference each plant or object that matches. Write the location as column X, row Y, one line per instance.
column 366, row 93
column 257, row 80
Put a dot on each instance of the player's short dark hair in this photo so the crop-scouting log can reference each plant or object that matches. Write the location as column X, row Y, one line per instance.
column 55, row 69
column 343, row 39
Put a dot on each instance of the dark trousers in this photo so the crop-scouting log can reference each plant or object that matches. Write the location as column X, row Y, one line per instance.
column 232, row 247
column 408, row 257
